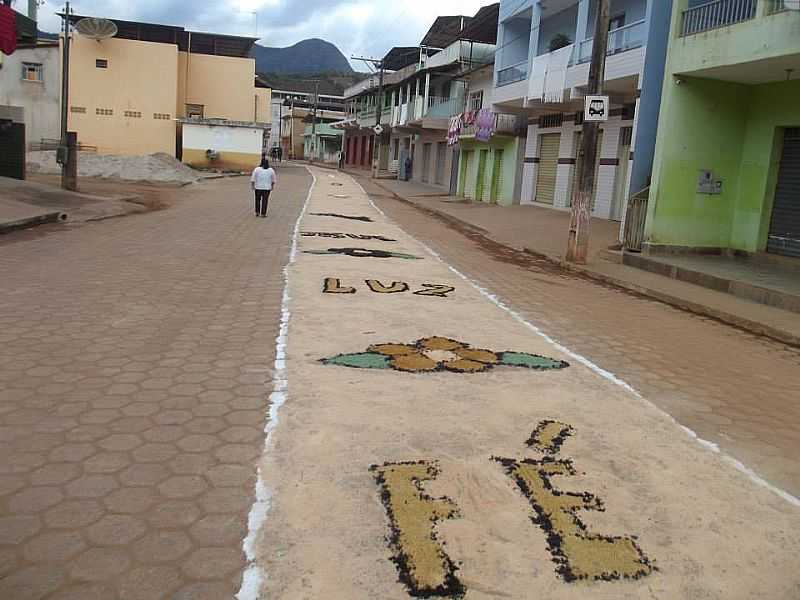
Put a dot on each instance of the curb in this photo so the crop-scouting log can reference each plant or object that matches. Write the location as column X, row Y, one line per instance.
column 727, row 318
column 54, row 217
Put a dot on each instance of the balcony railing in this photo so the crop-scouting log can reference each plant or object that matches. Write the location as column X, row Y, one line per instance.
column 621, row 39
column 504, row 124
column 716, row 14
column 444, row 108
column 775, row 6
column 512, row 74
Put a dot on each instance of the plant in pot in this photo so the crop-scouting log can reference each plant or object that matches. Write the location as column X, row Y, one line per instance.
column 560, row 40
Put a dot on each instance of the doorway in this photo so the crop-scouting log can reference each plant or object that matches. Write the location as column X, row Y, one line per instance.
column 784, row 230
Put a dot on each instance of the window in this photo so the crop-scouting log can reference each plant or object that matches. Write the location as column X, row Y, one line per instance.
column 195, row 111
column 81, row 110
column 133, row 114
column 554, row 120
column 162, row 116
column 32, row 71
column 107, row 112
column 616, row 22
column 101, row 63
column 476, row 100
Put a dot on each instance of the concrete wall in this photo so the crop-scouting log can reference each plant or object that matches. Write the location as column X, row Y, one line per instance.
column 762, row 38
column 239, row 148
column 468, row 171
column 40, row 100
column 141, row 79
column 224, row 85
column 733, row 130
column 262, row 109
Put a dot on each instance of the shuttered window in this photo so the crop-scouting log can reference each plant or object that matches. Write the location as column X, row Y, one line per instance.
column 548, row 162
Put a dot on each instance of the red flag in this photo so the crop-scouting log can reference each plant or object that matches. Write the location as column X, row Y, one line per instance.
column 8, row 30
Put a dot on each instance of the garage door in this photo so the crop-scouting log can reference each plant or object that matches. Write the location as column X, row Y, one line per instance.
column 548, row 163
column 784, row 231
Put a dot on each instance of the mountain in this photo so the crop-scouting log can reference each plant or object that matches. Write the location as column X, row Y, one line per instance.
column 306, row 57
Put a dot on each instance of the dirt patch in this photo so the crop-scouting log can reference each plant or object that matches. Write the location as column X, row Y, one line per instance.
column 159, row 167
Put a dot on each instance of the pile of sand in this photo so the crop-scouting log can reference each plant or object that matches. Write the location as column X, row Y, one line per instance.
column 159, row 167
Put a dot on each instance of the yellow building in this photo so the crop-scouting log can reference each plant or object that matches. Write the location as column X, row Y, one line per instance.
column 130, row 94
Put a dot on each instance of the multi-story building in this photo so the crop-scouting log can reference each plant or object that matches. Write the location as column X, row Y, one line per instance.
column 294, row 122
column 300, row 94
column 131, row 94
column 422, row 90
column 727, row 167
column 31, row 79
column 541, row 73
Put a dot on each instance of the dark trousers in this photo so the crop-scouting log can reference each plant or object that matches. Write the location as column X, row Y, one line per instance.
column 262, row 201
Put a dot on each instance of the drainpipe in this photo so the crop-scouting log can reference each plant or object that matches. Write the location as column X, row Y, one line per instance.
column 186, row 82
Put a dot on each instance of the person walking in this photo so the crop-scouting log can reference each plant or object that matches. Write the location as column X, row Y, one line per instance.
column 262, row 182
column 280, row 154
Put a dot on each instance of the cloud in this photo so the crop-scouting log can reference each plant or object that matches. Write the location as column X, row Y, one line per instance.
column 357, row 27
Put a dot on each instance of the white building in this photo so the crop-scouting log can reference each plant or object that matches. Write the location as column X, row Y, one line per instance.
column 31, row 78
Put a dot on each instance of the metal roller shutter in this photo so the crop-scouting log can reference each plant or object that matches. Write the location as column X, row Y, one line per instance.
column 548, row 166
column 784, row 231
column 469, row 180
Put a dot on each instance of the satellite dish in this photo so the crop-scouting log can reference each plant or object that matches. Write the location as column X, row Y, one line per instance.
column 96, row 29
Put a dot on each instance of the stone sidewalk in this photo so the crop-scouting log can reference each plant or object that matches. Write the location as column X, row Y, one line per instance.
column 29, row 203
column 134, row 361
column 543, row 231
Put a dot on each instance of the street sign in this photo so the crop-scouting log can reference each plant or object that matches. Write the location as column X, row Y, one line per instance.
column 378, row 129
column 596, row 108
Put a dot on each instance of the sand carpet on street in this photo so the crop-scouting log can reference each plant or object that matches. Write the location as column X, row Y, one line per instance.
column 451, row 468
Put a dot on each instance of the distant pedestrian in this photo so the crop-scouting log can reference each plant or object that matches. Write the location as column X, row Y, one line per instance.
column 280, row 153
column 262, row 182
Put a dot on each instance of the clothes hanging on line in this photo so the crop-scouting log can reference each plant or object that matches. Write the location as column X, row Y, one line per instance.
column 8, row 30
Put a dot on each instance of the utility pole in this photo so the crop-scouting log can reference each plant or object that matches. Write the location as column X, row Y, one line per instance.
column 314, row 122
column 581, row 215
column 378, row 109
column 68, row 147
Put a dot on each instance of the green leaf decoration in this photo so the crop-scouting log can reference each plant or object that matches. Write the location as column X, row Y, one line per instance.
column 530, row 361
column 360, row 360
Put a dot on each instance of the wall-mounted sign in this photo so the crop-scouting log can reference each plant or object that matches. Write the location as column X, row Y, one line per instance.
column 708, row 184
column 378, row 129
column 596, row 108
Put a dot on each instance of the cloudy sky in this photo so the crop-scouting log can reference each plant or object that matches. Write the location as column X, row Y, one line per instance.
column 362, row 27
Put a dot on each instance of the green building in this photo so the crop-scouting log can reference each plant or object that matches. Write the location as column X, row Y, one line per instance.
column 727, row 166
column 327, row 144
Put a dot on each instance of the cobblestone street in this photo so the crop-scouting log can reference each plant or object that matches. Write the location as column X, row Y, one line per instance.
column 133, row 360
column 735, row 389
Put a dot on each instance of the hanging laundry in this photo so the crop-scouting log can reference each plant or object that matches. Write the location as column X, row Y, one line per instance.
column 8, row 30
column 484, row 125
column 454, row 129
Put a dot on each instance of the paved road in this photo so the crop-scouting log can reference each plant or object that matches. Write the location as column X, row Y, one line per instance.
column 733, row 388
column 134, row 355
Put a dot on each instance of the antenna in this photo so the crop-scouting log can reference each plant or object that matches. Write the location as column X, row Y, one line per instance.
column 96, row 29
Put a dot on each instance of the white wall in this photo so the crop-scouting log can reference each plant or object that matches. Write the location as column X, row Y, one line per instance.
column 41, row 101
column 222, row 138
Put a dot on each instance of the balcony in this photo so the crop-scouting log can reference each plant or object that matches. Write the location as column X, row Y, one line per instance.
column 512, row 74
column 444, row 108
column 622, row 39
column 718, row 13
column 504, row 125
column 463, row 52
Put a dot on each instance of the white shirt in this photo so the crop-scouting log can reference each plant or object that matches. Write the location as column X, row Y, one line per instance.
column 263, row 179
